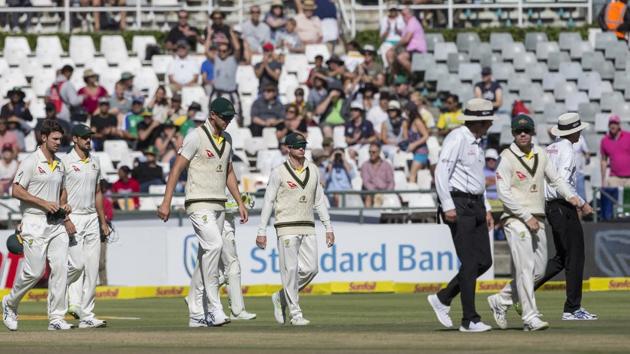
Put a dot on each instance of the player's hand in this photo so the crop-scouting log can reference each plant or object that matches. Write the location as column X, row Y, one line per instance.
column 489, row 221
column 164, row 211
column 242, row 210
column 575, row 201
column 330, row 239
column 450, row 216
column 261, row 241
column 586, row 209
column 105, row 229
column 70, row 228
column 67, row 208
column 533, row 224
column 50, row 207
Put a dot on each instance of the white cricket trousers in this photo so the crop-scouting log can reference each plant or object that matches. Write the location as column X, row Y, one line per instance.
column 83, row 261
column 529, row 255
column 208, row 226
column 298, row 267
column 43, row 241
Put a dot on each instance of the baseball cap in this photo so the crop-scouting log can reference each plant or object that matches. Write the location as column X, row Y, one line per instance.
column 295, row 140
column 199, row 117
column 151, row 150
column 223, row 107
column 103, row 100
column 393, row 105
column 267, row 47
column 194, row 107
column 137, row 100
column 356, row 105
column 486, row 71
column 182, row 43
column 126, row 76
column 492, row 154
column 81, row 130
column 368, row 48
column 523, row 122
column 614, row 119
column 147, row 113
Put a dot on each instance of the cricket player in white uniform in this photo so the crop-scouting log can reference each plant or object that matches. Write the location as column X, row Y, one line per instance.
column 207, row 154
column 521, row 176
column 293, row 191
column 39, row 185
column 87, row 221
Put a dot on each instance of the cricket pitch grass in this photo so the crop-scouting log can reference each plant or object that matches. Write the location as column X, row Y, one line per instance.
column 371, row 323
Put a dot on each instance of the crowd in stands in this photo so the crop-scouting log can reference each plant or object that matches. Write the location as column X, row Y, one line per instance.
column 370, row 94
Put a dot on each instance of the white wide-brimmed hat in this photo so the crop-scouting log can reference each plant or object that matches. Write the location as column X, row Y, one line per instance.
column 568, row 123
column 478, row 109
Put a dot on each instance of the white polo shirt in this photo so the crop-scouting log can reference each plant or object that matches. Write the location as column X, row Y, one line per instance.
column 81, row 179
column 40, row 179
column 184, row 70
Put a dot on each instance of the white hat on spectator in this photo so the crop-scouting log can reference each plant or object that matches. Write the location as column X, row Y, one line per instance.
column 200, row 117
column 393, row 105
column 478, row 109
column 492, row 154
column 357, row 105
column 568, row 123
column 369, row 48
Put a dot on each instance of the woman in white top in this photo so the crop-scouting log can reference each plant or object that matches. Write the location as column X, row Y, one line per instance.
column 391, row 30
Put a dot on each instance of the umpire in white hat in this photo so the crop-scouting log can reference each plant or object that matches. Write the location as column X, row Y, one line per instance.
column 460, row 184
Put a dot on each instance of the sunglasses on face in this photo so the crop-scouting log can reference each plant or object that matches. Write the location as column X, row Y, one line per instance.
column 226, row 119
column 521, row 131
column 297, row 146
column 299, row 93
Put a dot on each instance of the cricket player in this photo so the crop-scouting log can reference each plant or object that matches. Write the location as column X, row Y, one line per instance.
column 207, row 154
column 521, row 176
column 39, row 185
column 87, row 222
column 294, row 191
column 461, row 187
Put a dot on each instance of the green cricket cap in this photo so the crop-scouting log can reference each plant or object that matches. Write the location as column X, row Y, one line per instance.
column 295, row 140
column 81, row 130
column 523, row 122
column 222, row 107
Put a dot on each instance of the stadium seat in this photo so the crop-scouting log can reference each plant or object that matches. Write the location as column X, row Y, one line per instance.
column 615, row 49
column 587, row 111
column 116, row 149
column 81, row 49
column 544, row 48
column 422, row 62
column 454, row 59
column 4, row 66
column 579, row 48
column 192, row 94
column 532, row 39
column 552, row 110
column 77, row 78
column 114, row 49
column 502, row 71
column 287, row 84
column 499, row 40
column 479, row 51
column 589, row 59
column 521, row 62
column 297, row 64
column 145, row 80
column 132, row 65
column 432, row 39
column 438, row 72
column 551, row 79
column 602, row 39
column 48, row 49
column 164, row 2
column 596, row 92
column 313, row 50
column 610, row 101
column 448, row 83
column 601, row 122
column 588, row 80
column 314, row 138
column 571, row 71
column 400, row 180
column 510, row 51
column 469, row 72
column 623, row 111
column 109, row 77
column 516, row 82
column 568, row 40
column 563, row 89
column 246, row 80
column 605, row 69
column 264, row 160
column 15, row 49
column 11, row 79
column 573, row 100
column 442, row 49
column 160, row 63
column 269, row 136
column 531, row 92
column 621, row 82
column 30, row 66
column 42, row 81
column 536, row 71
column 538, row 104
column 542, row 134
column 339, row 137
column 464, row 91
column 99, row 65
column 104, row 159
column 466, row 41
column 139, row 45
column 556, row 60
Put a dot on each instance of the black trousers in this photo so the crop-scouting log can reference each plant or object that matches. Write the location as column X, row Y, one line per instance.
column 568, row 237
column 472, row 244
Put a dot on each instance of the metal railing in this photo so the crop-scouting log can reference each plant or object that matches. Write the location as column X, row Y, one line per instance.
column 618, row 209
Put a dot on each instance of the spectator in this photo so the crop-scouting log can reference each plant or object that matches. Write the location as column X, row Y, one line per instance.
column 421, row 103
column 292, row 123
column 51, row 113
column 299, row 102
column 269, row 69
column 284, row 153
column 199, row 119
column 159, row 105
column 391, row 28
column 394, row 130
column 370, row 71
column 13, row 19
column 149, row 130
column 336, row 68
column 92, row 91
column 333, row 109
column 8, row 168
column 582, row 157
column 377, row 174
column 402, row 89
column 449, row 119
column 255, row 32
column 309, row 27
column 288, row 40
column 207, row 69
column 105, row 126
column 134, row 117
column 64, row 95
column 338, row 176
column 615, row 18
column 183, row 71
column 16, row 107
column 490, row 170
column 108, row 20
column 148, row 173
column 412, row 41
column 175, row 110
column 417, row 136
column 267, row 111
column 327, row 13
column 316, row 94
column 126, row 79
column 219, row 32
column 378, row 113
column 20, row 129
column 169, row 141
column 183, row 31
column 615, row 153
column 186, row 122
column 276, row 20
column 225, row 67
column 366, row 95
column 353, row 57
column 126, row 184
column 8, row 138
column 359, row 132
column 318, row 68
column 118, row 103
column 489, row 89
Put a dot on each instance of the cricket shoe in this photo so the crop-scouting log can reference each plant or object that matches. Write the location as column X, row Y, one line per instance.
column 579, row 315
column 217, row 318
column 243, row 316
column 441, row 311
column 59, row 325
column 92, row 323
column 73, row 311
column 535, row 325
column 197, row 322
column 475, row 327
column 299, row 321
column 498, row 311
column 9, row 316
column 279, row 310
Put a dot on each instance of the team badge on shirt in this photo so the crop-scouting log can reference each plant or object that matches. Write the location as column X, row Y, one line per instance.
column 219, row 168
column 302, row 199
column 291, row 185
column 521, row 176
column 210, row 154
column 75, row 168
column 533, row 188
column 41, row 170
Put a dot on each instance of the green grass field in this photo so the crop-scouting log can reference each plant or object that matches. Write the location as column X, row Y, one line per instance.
column 339, row 324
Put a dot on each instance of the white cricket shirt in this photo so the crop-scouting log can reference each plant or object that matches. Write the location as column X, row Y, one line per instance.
column 81, row 179
column 562, row 157
column 40, row 179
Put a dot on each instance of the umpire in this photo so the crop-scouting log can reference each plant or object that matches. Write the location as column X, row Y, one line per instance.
column 460, row 184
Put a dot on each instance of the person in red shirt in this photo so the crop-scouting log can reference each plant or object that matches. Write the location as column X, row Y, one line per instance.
column 8, row 137
column 126, row 184
column 93, row 91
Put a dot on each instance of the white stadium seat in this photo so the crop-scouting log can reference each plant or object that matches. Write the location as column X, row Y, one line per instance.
column 146, row 80
column 313, row 50
column 116, row 149
column 82, row 49
column 139, row 45
column 160, row 63
column 114, row 49
column 192, row 94
column 42, row 81
column 131, row 64
column 16, row 49
column 269, row 135
column 11, row 79
column 314, row 138
column 246, row 80
column 48, row 49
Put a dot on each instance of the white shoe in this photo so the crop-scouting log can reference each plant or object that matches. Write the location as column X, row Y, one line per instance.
column 279, row 311
column 475, row 327
column 73, row 311
column 243, row 316
column 579, row 315
column 59, row 325
column 197, row 322
column 9, row 316
column 535, row 325
column 441, row 311
column 299, row 321
column 498, row 311
column 217, row 318
column 92, row 323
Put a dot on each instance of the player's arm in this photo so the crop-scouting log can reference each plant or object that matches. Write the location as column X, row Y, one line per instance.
column 265, row 214
column 100, row 210
column 443, row 172
column 232, row 186
column 164, row 210
column 67, row 223
column 324, row 217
